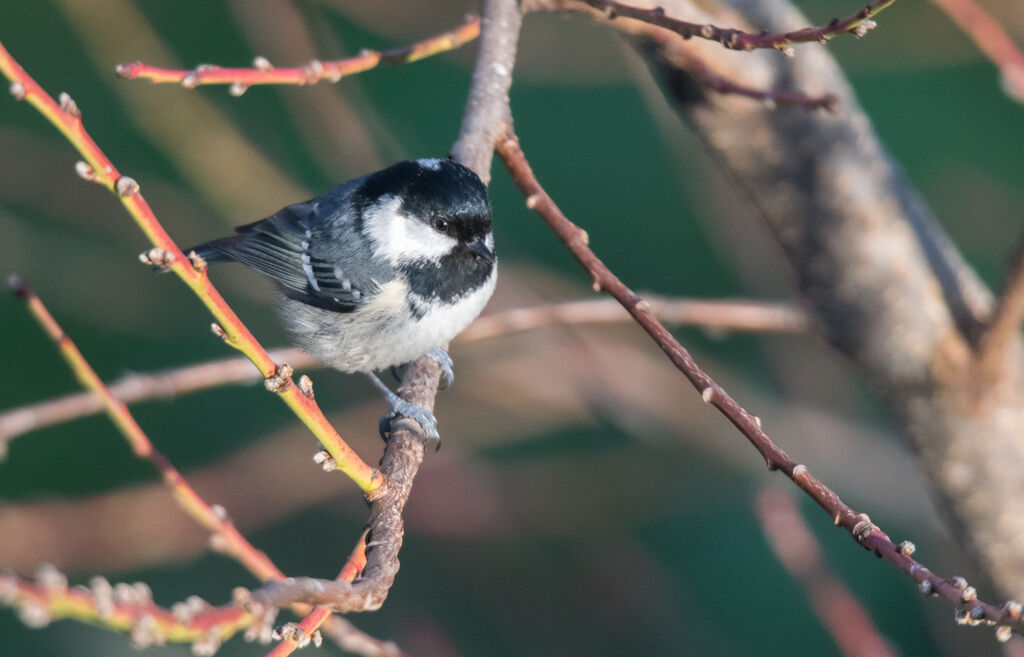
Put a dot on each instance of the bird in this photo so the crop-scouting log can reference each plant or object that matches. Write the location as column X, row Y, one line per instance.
column 378, row 271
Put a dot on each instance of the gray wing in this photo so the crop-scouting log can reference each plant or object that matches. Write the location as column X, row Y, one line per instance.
column 307, row 250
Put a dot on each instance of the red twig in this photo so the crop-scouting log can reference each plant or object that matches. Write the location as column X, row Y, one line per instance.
column 857, row 24
column 969, row 608
column 801, row 554
column 263, row 72
column 992, row 40
column 67, row 117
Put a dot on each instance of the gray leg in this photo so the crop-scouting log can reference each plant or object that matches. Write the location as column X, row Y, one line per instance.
column 401, row 407
column 447, row 366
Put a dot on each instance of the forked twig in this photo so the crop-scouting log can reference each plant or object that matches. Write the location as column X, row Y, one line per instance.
column 970, row 609
column 315, row 71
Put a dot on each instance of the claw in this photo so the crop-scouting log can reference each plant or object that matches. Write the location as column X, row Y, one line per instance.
column 447, row 366
column 400, row 407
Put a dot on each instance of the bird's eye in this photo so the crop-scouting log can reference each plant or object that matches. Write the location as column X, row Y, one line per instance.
column 441, row 225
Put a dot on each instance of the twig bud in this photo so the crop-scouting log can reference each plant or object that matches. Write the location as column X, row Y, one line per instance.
column 197, row 261
column 279, row 381
column 68, row 105
column 85, row 170
column 156, row 257
column 191, row 81
column 219, row 331
column 238, row 88
column 969, row 594
column 1003, row 633
column 906, row 548
column 126, row 186
column 261, row 63
column 17, row 90
column 306, row 386
column 51, row 579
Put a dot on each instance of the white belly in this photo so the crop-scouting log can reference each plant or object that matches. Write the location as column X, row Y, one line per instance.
column 384, row 332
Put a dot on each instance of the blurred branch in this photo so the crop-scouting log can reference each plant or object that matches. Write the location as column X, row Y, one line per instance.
column 1003, row 329
column 991, row 40
column 718, row 316
column 887, row 286
column 315, row 71
column 486, row 111
column 795, row 546
column 858, row 525
column 857, row 24
column 224, row 536
column 66, row 117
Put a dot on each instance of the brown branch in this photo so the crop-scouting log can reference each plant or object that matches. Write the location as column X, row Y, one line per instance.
column 857, row 24
column 718, row 316
column 800, row 553
column 1003, row 329
column 858, row 525
column 991, row 40
column 486, row 110
column 315, row 71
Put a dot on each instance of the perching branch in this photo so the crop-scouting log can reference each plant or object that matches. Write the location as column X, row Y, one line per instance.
column 992, row 40
column 858, row 525
column 67, row 117
column 857, row 24
column 315, row 71
column 486, row 111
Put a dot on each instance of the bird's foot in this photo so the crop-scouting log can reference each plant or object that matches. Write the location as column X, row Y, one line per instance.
column 402, row 408
column 447, row 366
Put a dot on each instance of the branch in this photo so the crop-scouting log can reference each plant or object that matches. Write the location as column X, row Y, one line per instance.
column 800, row 553
column 857, row 24
column 858, row 525
column 224, row 536
column 66, row 117
column 718, row 316
column 991, row 40
column 315, row 71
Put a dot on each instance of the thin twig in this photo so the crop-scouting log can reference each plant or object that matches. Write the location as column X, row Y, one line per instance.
column 66, row 117
column 719, row 316
column 992, row 40
column 801, row 554
column 857, row 24
column 224, row 536
column 315, row 71
column 970, row 609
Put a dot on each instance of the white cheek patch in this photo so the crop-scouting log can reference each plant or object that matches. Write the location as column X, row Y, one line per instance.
column 399, row 238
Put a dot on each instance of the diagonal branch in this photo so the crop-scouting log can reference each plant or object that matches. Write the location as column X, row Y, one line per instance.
column 857, row 24
column 66, row 117
column 315, row 71
column 859, row 525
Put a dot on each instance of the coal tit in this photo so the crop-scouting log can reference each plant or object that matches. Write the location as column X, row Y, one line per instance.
column 380, row 270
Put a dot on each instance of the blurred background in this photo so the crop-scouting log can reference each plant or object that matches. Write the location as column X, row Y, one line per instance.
column 585, row 501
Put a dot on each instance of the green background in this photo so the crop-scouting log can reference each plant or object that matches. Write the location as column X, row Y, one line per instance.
column 623, row 538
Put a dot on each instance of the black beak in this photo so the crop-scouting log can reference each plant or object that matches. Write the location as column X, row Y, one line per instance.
column 480, row 248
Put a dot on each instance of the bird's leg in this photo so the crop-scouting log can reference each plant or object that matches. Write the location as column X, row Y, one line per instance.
column 447, row 366
column 401, row 407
